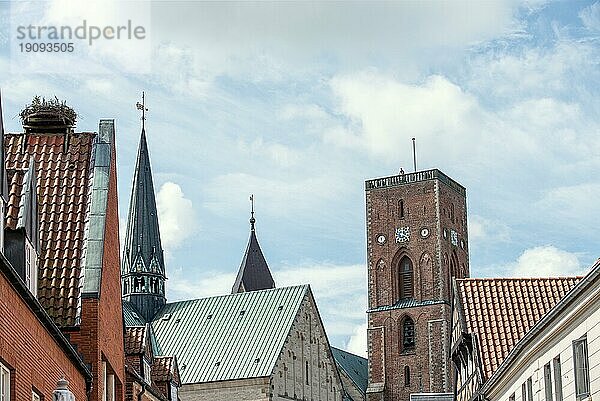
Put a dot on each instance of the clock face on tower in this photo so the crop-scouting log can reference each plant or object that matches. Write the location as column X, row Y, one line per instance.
column 454, row 237
column 402, row 234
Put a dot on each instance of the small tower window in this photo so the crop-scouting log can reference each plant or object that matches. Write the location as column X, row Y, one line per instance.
column 406, row 278
column 306, row 372
column 401, row 208
column 408, row 334
column 406, row 376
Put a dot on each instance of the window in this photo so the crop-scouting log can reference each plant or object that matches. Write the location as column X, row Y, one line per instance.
column 173, row 391
column 4, row 383
column 408, row 334
column 401, row 208
column 406, row 278
column 580, row 364
column 527, row 390
column 109, row 384
column 512, row 397
column 306, row 371
column 548, row 382
column 35, row 396
column 557, row 379
column 31, row 268
column 406, row 376
column 147, row 374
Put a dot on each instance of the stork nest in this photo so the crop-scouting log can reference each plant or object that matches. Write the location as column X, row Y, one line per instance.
column 42, row 111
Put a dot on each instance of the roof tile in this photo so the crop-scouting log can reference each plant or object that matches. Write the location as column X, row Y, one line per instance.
column 63, row 198
column 502, row 310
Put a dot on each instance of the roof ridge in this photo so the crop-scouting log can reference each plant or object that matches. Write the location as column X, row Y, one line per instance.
column 529, row 278
column 237, row 294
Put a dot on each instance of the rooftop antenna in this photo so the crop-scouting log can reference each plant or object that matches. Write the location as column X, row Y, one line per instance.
column 143, row 108
column 252, row 219
column 414, row 155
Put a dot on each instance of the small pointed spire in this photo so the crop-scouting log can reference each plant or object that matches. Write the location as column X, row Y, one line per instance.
column 254, row 273
column 252, row 219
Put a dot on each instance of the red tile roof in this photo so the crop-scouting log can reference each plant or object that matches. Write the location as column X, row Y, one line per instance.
column 163, row 369
column 63, row 179
column 501, row 310
column 15, row 180
column 134, row 340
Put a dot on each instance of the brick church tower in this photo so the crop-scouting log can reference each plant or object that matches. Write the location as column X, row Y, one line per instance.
column 416, row 242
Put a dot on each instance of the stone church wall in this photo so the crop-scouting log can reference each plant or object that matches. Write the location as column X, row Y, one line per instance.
column 254, row 389
column 306, row 369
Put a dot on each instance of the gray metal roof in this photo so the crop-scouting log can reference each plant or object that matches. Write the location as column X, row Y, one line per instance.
column 143, row 234
column 406, row 303
column 143, row 252
column 228, row 337
column 356, row 367
column 254, row 273
column 93, row 255
column 131, row 315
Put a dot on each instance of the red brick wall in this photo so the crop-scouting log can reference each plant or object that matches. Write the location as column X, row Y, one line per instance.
column 27, row 348
column 427, row 204
column 101, row 332
column 110, row 308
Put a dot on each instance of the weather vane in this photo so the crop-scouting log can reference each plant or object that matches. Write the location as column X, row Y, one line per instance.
column 252, row 219
column 143, row 108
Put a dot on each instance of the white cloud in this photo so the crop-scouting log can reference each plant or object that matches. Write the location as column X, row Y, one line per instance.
column 176, row 214
column 543, row 261
column 181, row 286
column 385, row 113
column 482, row 229
column 340, row 292
column 573, row 202
column 590, row 16
column 358, row 341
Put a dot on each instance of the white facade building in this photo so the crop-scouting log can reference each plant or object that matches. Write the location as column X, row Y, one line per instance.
column 558, row 359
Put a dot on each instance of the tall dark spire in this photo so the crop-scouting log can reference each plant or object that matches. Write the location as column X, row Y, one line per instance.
column 143, row 266
column 254, row 273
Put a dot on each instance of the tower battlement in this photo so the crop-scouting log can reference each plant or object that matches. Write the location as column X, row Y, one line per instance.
column 409, row 178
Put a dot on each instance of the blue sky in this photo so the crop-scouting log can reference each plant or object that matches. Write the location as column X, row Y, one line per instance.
column 300, row 102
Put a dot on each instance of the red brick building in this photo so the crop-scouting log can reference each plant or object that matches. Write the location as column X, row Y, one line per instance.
column 416, row 242
column 62, row 237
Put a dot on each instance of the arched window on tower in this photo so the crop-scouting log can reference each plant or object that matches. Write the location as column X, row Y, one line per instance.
column 401, row 208
column 406, row 278
column 408, row 334
column 406, row 376
column 126, row 286
column 453, row 264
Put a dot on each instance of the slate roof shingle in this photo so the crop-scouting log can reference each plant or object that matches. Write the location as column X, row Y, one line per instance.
column 63, row 178
column 502, row 310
